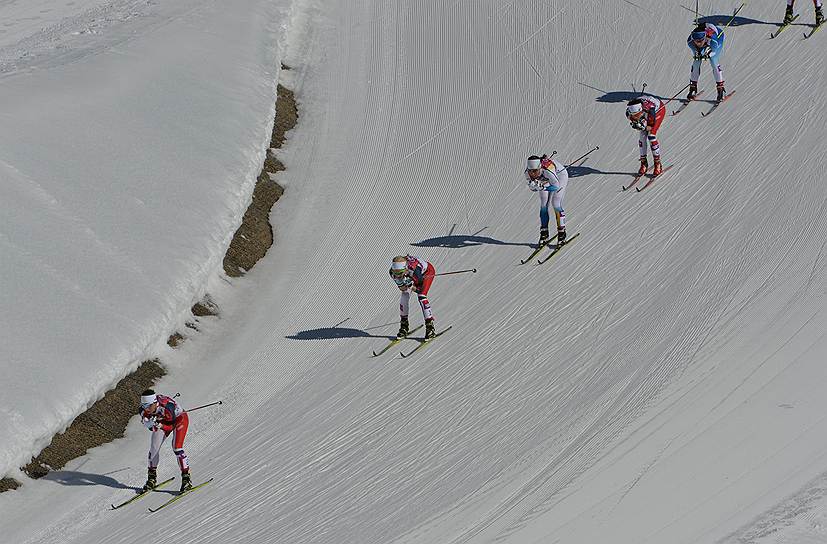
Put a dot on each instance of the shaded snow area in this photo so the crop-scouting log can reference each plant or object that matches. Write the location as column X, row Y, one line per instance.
column 659, row 381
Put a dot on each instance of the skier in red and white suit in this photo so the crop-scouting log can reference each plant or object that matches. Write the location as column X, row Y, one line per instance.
column 163, row 416
column 645, row 114
column 413, row 274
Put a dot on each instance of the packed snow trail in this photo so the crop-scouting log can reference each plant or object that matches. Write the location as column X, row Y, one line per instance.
column 658, row 381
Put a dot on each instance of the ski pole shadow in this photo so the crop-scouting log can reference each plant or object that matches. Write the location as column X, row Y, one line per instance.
column 71, row 477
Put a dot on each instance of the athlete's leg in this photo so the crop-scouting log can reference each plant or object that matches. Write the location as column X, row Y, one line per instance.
column 178, row 435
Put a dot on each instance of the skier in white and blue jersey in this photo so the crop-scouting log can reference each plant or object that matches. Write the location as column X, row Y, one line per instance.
column 706, row 42
column 549, row 179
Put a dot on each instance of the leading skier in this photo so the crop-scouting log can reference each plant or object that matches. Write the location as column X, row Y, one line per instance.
column 549, row 179
column 413, row 274
column 163, row 416
column 645, row 114
column 788, row 15
column 706, row 42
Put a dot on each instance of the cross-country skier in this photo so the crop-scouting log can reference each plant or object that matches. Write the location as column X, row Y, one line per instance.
column 162, row 416
column 645, row 114
column 706, row 42
column 788, row 15
column 549, row 179
column 413, row 274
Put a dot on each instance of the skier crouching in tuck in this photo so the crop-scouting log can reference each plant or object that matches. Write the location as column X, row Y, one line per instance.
column 549, row 179
column 645, row 114
column 163, row 416
column 413, row 274
column 706, row 42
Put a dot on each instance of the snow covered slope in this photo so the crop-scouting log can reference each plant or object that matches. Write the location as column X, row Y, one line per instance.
column 127, row 158
column 660, row 381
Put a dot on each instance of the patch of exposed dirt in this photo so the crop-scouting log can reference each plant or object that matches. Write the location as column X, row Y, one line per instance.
column 7, row 484
column 255, row 235
column 103, row 422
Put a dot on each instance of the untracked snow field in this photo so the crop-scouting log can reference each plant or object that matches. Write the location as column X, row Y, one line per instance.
column 659, row 381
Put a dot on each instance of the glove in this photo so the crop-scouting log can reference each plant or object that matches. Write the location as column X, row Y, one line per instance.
column 703, row 53
column 552, row 188
column 150, row 424
column 638, row 125
column 403, row 283
column 534, row 186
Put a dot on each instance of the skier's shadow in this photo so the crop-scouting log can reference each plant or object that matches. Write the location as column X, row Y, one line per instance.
column 721, row 20
column 580, row 171
column 614, row 97
column 71, row 477
column 456, row 241
column 332, row 333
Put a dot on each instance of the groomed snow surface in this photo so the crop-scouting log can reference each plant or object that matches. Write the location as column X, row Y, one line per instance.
column 660, row 381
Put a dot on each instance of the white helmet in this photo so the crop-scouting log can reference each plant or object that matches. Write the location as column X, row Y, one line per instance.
column 148, row 398
column 633, row 109
column 533, row 163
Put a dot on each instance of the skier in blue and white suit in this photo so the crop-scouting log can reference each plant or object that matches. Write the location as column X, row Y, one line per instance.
column 549, row 179
column 706, row 42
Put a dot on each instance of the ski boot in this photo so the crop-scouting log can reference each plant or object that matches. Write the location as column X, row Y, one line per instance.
column 430, row 330
column 658, row 167
column 151, row 480
column 693, row 90
column 788, row 15
column 721, row 91
column 543, row 237
column 561, row 236
column 644, row 164
column 403, row 327
column 186, row 483
column 819, row 16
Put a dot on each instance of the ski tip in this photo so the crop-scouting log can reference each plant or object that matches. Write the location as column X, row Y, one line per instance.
column 638, row 189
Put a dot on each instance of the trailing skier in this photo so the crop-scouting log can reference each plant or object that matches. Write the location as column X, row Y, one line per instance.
column 163, row 416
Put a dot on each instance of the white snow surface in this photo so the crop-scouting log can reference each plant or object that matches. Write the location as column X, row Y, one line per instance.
column 127, row 158
column 660, row 381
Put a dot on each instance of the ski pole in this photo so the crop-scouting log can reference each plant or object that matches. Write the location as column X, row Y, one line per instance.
column 474, row 270
column 674, row 97
column 205, row 405
column 734, row 14
column 584, row 156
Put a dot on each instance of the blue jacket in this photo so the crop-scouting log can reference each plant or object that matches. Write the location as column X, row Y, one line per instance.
column 715, row 44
